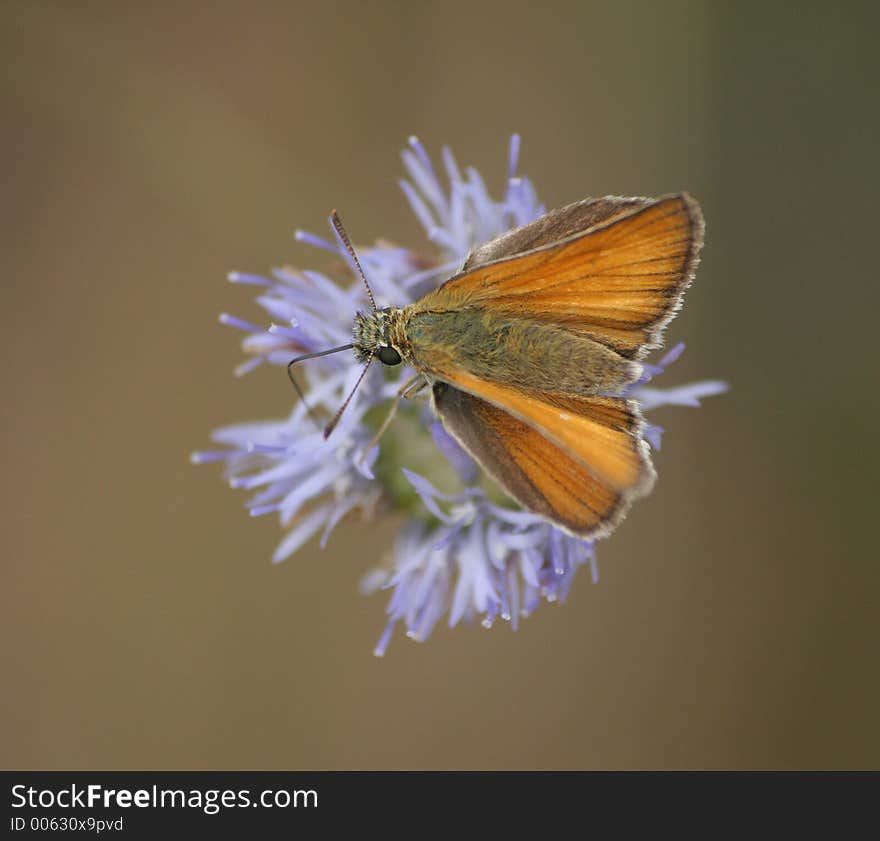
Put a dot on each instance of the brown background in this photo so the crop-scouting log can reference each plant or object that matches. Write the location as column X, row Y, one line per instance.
column 148, row 149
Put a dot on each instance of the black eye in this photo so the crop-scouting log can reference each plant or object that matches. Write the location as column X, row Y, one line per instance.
column 389, row 356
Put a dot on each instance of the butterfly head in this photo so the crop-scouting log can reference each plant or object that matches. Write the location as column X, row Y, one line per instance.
column 376, row 335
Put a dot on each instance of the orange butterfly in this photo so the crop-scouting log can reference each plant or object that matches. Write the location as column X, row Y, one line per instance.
column 527, row 347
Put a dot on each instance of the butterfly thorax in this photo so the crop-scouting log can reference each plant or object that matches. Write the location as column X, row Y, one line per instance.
column 379, row 334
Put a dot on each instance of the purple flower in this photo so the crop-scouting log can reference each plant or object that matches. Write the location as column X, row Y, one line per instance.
column 463, row 552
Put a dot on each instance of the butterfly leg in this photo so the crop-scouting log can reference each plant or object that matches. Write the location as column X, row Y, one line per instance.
column 411, row 386
column 417, row 386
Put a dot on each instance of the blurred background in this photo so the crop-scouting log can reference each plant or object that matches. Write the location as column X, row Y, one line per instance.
column 151, row 148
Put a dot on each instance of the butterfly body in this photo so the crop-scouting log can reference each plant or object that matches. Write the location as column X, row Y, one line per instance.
column 530, row 349
column 514, row 351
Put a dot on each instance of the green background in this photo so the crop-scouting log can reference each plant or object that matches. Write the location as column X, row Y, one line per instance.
column 150, row 148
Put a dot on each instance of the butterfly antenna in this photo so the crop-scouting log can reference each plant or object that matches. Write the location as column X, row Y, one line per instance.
column 335, row 420
column 296, row 387
column 343, row 236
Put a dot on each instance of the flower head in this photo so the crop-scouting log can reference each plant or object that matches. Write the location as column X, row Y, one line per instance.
column 464, row 551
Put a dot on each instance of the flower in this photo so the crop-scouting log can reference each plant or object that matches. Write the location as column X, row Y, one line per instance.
column 463, row 551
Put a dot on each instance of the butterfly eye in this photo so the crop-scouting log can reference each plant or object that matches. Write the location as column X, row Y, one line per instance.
column 389, row 356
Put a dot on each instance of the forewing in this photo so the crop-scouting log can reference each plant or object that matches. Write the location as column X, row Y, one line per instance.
column 618, row 282
column 604, row 434
column 533, row 470
column 576, row 218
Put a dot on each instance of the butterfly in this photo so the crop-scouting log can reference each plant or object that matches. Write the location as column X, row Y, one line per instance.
column 528, row 349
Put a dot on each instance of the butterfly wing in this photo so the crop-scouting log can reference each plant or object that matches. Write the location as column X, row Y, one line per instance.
column 611, row 270
column 618, row 282
column 553, row 227
column 602, row 433
column 545, row 478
